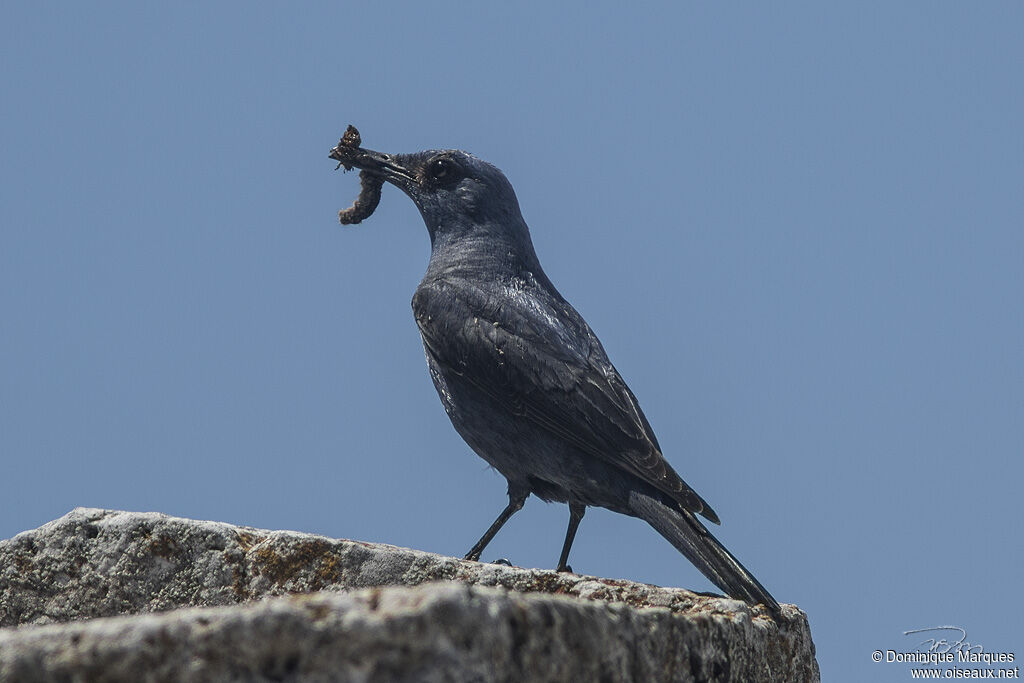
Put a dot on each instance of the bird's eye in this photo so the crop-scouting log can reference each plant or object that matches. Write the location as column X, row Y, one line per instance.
column 439, row 168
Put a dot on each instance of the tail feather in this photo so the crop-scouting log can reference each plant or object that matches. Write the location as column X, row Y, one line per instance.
column 692, row 539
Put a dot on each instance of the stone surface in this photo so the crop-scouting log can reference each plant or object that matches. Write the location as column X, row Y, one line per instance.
column 497, row 623
column 434, row 632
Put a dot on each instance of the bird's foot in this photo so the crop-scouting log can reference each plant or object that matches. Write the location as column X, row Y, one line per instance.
column 564, row 568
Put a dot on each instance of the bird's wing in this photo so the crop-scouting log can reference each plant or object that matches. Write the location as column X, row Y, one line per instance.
column 537, row 356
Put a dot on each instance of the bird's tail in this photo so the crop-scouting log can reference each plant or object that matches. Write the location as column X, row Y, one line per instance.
column 694, row 541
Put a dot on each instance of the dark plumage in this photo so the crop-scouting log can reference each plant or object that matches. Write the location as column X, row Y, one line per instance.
column 523, row 377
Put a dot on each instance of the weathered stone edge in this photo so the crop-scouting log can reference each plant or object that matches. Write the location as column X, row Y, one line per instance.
column 111, row 562
column 430, row 632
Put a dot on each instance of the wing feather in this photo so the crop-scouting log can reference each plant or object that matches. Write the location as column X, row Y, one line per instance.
column 537, row 356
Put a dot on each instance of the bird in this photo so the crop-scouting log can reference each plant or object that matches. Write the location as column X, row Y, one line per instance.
column 523, row 378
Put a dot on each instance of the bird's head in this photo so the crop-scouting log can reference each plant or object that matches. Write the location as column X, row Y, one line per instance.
column 457, row 194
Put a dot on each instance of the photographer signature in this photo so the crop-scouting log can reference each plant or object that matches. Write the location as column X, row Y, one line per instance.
column 939, row 643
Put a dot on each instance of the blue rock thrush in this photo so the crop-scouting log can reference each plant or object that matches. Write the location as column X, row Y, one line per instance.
column 523, row 378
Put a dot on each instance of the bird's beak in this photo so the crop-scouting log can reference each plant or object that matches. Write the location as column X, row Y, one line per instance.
column 387, row 166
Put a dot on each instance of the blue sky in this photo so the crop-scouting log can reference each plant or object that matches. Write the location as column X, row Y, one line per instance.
column 797, row 229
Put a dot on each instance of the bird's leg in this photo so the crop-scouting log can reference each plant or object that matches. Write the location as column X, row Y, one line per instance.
column 576, row 512
column 515, row 504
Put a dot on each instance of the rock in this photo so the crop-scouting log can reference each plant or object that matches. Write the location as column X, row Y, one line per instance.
column 435, row 632
column 487, row 622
